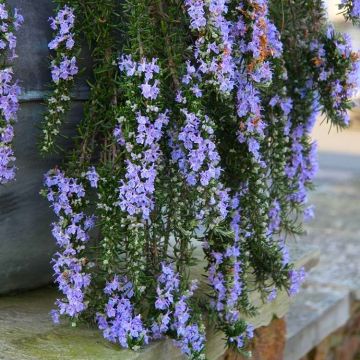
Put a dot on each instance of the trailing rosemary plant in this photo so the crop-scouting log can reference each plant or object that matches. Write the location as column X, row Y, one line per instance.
column 196, row 134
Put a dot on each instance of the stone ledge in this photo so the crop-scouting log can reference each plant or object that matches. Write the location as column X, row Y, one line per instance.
column 27, row 332
column 79, row 94
column 315, row 314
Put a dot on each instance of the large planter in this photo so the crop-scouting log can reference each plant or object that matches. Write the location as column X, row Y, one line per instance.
column 26, row 245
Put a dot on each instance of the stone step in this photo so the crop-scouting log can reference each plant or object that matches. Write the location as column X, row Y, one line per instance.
column 27, row 333
column 316, row 313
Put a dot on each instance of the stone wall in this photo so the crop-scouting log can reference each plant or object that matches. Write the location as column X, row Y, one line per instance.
column 343, row 344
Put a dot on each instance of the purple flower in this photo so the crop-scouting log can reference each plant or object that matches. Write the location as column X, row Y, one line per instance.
column 195, row 152
column 65, row 70
column 119, row 322
column 150, row 91
column 9, row 105
column 9, row 92
column 93, row 177
column 272, row 296
column 352, row 8
column 55, row 316
column 175, row 313
column 297, row 277
column 70, row 233
column 336, row 74
column 196, row 13
column 137, row 189
column 214, row 51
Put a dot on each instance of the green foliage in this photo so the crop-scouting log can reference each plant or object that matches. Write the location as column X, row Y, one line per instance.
column 272, row 196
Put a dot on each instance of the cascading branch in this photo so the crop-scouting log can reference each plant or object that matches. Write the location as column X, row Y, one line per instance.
column 10, row 22
column 71, row 266
column 63, row 69
column 338, row 78
column 196, row 134
column 351, row 9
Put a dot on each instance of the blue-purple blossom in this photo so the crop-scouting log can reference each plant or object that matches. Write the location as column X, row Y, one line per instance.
column 93, row 177
column 119, row 322
column 137, row 189
column 213, row 49
column 65, row 66
column 66, row 70
column 9, row 92
column 196, row 12
column 63, row 69
column 143, row 69
column 297, row 277
column 63, row 23
column 8, row 25
column 194, row 150
column 352, row 8
column 175, row 314
column 71, row 233
column 338, row 80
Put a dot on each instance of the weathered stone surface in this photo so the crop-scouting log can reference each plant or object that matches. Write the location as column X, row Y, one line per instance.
column 27, row 332
column 324, row 306
column 343, row 344
column 315, row 314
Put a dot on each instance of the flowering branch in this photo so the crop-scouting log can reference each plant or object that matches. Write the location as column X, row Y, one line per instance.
column 63, row 69
column 9, row 90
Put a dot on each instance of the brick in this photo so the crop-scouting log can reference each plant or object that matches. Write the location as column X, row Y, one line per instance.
column 268, row 343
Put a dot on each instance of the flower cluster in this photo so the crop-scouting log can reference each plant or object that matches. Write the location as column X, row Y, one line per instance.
column 63, row 69
column 9, row 104
column 139, row 136
column 93, row 177
column 149, row 70
column 261, row 46
column 302, row 166
column 119, row 323
column 137, row 188
column 136, row 191
column 336, row 73
column 194, row 144
column 297, row 277
column 175, row 314
column 214, row 45
column 195, row 152
column 9, row 23
column 71, row 233
column 225, row 276
column 234, row 57
column 9, row 92
column 196, row 11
